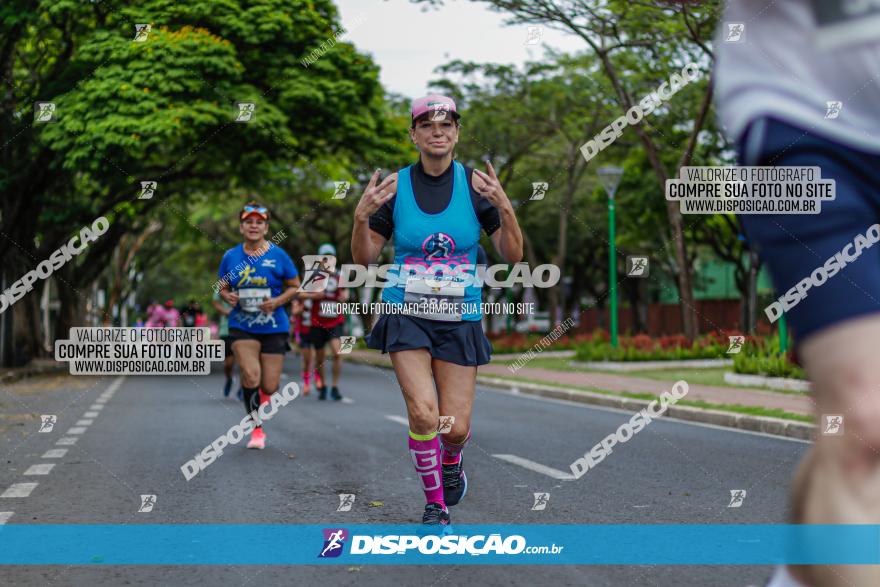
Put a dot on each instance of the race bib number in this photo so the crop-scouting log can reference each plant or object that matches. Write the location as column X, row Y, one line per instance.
column 249, row 299
column 844, row 23
column 434, row 297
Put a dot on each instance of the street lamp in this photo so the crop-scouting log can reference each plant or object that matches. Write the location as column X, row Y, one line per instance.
column 610, row 179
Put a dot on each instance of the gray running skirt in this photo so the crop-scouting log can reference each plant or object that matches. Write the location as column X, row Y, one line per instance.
column 462, row 343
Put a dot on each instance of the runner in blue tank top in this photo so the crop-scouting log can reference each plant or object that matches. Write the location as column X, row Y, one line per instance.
column 434, row 211
column 258, row 279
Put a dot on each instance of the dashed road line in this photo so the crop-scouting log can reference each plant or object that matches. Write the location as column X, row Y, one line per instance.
column 96, row 407
column 19, row 490
column 40, row 469
column 76, row 430
column 90, row 415
column 398, row 419
column 536, row 467
column 84, row 422
column 54, row 453
column 67, row 441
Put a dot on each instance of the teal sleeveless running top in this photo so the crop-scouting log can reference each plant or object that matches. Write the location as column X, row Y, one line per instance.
column 430, row 251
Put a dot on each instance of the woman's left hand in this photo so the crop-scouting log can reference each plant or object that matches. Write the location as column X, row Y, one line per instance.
column 490, row 188
column 269, row 305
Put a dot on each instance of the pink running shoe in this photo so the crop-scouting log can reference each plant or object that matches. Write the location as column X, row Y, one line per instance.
column 258, row 439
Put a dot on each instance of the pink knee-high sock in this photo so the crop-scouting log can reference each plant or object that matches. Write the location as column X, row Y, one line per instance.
column 450, row 454
column 306, row 375
column 425, row 452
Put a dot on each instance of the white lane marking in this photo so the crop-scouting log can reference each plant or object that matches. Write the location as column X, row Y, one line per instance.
column 90, row 415
column 84, row 422
column 40, row 469
column 4, row 517
column 54, row 453
column 67, row 441
column 96, row 407
column 76, row 430
column 115, row 385
column 398, row 419
column 347, row 400
column 100, row 401
column 669, row 420
column 536, row 467
column 19, row 490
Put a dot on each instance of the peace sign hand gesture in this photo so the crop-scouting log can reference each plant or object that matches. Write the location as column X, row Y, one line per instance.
column 488, row 186
column 375, row 195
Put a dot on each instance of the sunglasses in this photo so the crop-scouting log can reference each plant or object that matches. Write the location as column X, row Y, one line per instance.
column 254, row 209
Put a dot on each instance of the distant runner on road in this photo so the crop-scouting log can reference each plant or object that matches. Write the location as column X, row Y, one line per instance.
column 258, row 279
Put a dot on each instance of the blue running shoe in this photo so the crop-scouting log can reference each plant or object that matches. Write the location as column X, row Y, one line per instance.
column 454, row 483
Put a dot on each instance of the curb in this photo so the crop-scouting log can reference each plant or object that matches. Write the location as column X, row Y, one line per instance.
column 764, row 424
column 636, row 366
column 783, row 383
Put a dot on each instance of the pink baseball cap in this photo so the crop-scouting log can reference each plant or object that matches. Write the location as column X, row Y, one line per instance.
column 435, row 103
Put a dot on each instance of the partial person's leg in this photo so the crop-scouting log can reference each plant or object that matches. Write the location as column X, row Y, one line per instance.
column 320, row 356
column 413, row 370
column 247, row 354
column 272, row 364
column 839, row 482
column 307, row 362
column 335, row 345
column 455, row 390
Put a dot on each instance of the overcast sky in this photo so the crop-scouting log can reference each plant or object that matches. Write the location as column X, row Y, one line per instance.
column 409, row 43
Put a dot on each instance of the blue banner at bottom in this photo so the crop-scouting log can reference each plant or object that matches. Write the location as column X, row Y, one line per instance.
column 660, row 544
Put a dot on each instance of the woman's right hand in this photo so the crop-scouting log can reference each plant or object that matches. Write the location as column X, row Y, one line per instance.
column 230, row 296
column 375, row 195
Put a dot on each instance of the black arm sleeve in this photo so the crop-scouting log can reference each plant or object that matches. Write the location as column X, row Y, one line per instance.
column 382, row 221
column 487, row 214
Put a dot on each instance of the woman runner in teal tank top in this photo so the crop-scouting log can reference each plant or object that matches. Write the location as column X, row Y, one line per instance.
column 434, row 335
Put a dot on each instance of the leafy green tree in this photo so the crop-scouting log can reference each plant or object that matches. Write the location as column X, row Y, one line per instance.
column 164, row 109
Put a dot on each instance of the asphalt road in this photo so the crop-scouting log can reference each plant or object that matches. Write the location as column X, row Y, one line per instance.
column 671, row 472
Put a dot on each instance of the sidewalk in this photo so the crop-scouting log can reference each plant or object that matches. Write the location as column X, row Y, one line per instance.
column 35, row 367
column 573, row 386
column 796, row 404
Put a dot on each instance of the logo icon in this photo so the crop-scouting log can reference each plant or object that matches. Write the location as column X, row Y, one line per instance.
column 438, row 246
column 141, row 32
column 438, row 111
column 832, row 109
column 346, row 500
column 637, row 266
column 541, row 500
column 47, row 422
column 147, row 503
column 148, row 188
column 736, row 344
column 341, row 190
column 318, row 269
column 346, row 344
column 245, row 111
column 832, row 424
column 44, row 111
column 534, row 35
column 334, row 540
column 445, row 424
column 737, row 496
column 539, row 190
column 268, row 263
column 736, row 32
